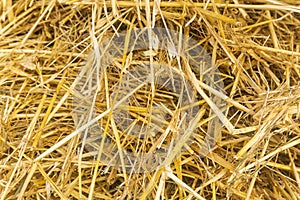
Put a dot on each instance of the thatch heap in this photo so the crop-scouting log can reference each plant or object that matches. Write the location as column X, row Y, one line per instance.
column 254, row 49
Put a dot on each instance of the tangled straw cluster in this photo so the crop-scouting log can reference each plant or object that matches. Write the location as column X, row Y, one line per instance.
column 153, row 108
column 254, row 47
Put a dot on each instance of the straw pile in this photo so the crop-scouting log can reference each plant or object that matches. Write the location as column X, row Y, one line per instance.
column 255, row 47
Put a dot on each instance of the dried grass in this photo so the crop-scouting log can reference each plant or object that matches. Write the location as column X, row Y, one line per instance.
column 254, row 45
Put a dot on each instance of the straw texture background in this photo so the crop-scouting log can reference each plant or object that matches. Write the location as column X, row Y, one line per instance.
column 255, row 45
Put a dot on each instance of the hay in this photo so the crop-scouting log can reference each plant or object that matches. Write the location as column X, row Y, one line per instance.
column 255, row 48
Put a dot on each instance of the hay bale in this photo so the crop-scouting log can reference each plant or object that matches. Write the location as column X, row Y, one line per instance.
column 223, row 127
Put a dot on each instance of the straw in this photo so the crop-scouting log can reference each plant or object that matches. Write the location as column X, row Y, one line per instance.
column 242, row 141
